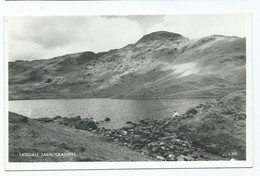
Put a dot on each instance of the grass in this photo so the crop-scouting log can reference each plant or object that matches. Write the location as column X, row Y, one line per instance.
column 37, row 137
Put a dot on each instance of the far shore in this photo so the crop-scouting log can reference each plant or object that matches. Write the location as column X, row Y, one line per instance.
column 151, row 98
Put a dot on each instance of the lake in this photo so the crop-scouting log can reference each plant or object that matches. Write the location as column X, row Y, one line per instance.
column 118, row 110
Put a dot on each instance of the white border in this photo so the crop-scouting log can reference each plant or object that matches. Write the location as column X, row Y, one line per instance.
column 147, row 164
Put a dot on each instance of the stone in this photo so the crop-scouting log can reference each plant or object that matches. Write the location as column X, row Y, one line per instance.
column 178, row 142
column 172, row 147
column 86, row 124
column 128, row 122
column 200, row 106
column 162, row 139
column 138, row 146
column 155, row 149
column 181, row 158
column 162, row 143
column 189, row 158
column 107, row 119
column 57, row 117
column 195, row 156
column 124, row 133
column 160, row 158
column 170, row 129
column 131, row 130
column 45, row 119
column 76, row 118
column 192, row 111
column 185, row 152
column 171, row 157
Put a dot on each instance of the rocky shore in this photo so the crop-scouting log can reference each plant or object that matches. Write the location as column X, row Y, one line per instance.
column 210, row 131
column 155, row 138
column 201, row 133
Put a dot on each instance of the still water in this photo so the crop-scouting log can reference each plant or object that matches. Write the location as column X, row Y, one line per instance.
column 118, row 110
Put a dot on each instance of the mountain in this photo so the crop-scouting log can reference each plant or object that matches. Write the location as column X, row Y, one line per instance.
column 159, row 65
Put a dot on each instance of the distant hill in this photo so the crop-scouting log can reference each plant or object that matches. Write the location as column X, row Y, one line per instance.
column 159, row 65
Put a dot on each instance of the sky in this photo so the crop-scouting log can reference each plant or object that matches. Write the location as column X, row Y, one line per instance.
column 44, row 37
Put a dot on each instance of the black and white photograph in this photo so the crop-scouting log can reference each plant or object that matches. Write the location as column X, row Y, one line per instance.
column 154, row 89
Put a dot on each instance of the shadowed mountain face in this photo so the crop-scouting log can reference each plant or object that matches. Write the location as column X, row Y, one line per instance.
column 159, row 65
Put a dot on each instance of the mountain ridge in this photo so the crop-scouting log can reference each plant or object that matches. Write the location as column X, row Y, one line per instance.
column 159, row 65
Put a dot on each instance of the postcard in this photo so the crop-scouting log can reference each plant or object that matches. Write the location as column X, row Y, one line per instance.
column 133, row 91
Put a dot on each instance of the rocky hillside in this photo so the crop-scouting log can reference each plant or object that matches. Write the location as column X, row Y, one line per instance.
column 159, row 65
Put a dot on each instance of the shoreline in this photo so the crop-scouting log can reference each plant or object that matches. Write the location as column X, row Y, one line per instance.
column 117, row 98
column 210, row 131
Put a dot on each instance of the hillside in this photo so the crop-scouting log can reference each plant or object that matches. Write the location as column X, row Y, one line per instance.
column 159, row 65
column 27, row 136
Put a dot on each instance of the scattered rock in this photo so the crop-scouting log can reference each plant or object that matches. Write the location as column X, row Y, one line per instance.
column 181, row 158
column 185, row 158
column 45, row 119
column 200, row 106
column 128, row 122
column 161, row 139
column 57, row 117
column 191, row 111
column 107, row 119
column 160, row 158
column 171, row 157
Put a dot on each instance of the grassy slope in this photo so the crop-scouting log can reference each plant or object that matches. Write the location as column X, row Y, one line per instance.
column 35, row 137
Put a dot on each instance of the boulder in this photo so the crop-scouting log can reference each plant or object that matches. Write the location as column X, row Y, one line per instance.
column 171, row 157
column 195, row 156
column 169, row 129
column 200, row 106
column 172, row 147
column 86, row 124
column 45, row 119
column 124, row 133
column 191, row 111
column 185, row 152
column 181, row 158
column 107, row 119
column 128, row 122
column 161, row 158
column 77, row 118
column 142, row 141
column 138, row 146
column 155, row 149
column 57, row 117
column 185, row 158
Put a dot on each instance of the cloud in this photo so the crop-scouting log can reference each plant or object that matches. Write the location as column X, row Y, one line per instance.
column 46, row 37
column 201, row 25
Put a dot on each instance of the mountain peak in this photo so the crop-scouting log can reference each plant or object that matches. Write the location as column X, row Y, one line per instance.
column 160, row 35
